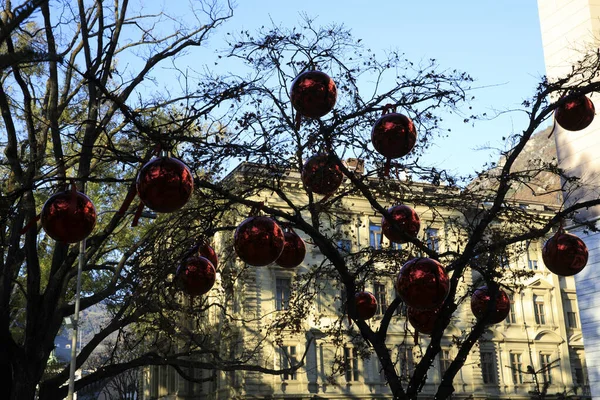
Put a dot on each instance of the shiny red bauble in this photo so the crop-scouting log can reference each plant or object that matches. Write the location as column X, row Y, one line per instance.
column 479, row 305
column 423, row 320
column 423, row 284
column 68, row 216
column 258, row 241
column 406, row 220
column 293, row 252
column 196, row 275
column 165, row 184
column 394, row 135
column 575, row 114
column 313, row 94
column 366, row 305
column 565, row 254
column 321, row 174
column 203, row 249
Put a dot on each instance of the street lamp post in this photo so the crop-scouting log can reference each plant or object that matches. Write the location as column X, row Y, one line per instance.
column 76, row 321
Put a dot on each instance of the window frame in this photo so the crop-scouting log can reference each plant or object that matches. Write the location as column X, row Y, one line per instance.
column 282, row 303
column 406, row 361
column 516, row 368
column 572, row 320
column 432, row 239
column 539, row 310
column 511, row 318
column 351, row 369
column 287, row 359
column 375, row 236
column 444, row 360
column 380, row 293
column 546, row 367
column 488, row 367
column 344, row 246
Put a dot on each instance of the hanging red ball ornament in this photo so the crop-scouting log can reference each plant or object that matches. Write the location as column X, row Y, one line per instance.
column 313, row 94
column 366, row 305
column 196, row 275
column 423, row 320
column 293, row 252
column 575, row 114
column 423, row 284
column 565, row 254
column 258, row 241
column 406, row 219
column 480, row 300
column 322, row 175
column 203, row 249
column 394, row 135
column 165, row 184
column 68, row 216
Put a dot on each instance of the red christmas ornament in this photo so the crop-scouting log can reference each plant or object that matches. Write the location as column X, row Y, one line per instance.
column 165, row 184
column 321, row 174
column 313, row 94
column 423, row 320
column 366, row 305
column 196, row 275
column 423, row 284
column 68, row 216
column 203, row 249
column 565, row 254
column 293, row 252
column 479, row 304
column 575, row 114
column 394, row 135
column 407, row 220
column 258, row 241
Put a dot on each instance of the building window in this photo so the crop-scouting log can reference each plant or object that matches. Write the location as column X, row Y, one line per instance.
column 287, row 359
column 511, row 318
column 572, row 319
column 516, row 366
column 488, row 371
column 571, row 310
column 282, row 293
column 379, row 290
column 579, row 377
column 402, row 310
column 375, row 236
column 396, row 246
column 171, row 384
column 504, row 261
column 577, row 366
column 351, row 363
column 343, row 300
column 432, row 239
column 192, row 387
column 445, row 361
column 197, row 386
column 533, row 264
column 344, row 245
column 405, row 362
column 545, row 368
column 538, row 305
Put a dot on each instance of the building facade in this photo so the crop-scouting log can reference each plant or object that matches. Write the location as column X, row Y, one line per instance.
column 570, row 28
column 539, row 345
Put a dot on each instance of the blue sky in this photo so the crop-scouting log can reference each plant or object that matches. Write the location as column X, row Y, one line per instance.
column 498, row 43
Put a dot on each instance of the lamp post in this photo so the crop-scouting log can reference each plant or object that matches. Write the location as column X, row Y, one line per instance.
column 75, row 321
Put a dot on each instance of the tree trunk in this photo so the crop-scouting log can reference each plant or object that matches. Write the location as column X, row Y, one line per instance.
column 23, row 386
